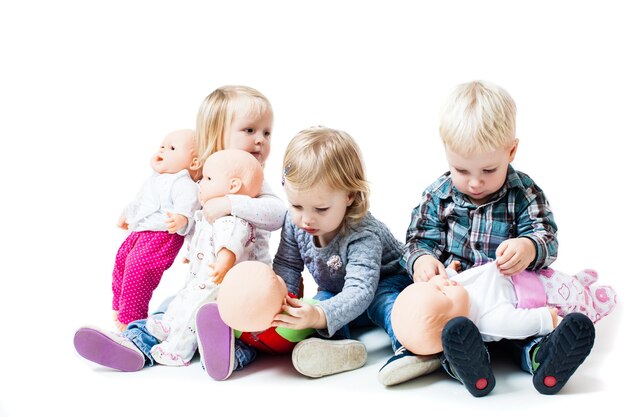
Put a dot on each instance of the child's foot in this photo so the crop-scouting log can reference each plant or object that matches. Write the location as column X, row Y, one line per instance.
column 315, row 357
column 559, row 354
column 405, row 365
column 216, row 342
column 467, row 356
column 108, row 349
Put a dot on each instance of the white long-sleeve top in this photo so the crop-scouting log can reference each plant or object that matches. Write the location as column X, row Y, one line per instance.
column 162, row 193
column 493, row 306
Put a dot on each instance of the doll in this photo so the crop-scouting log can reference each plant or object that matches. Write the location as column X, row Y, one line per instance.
column 249, row 299
column 159, row 219
column 502, row 307
column 214, row 249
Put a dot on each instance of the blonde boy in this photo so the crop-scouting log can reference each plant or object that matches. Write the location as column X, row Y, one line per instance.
column 481, row 210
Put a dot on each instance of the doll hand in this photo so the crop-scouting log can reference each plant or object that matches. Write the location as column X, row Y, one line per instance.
column 215, row 208
column 121, row 223
column 426, row 266
column 225, row 260
column 175, row 222
column 514, row 255
column 185, row 260
column 300, row 315
column 442, row 281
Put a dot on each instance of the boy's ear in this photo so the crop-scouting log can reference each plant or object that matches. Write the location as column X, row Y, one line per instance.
column 235, row 185
column 513, row 150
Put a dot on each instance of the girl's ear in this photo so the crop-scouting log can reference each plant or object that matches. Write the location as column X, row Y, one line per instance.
column 235, row 185
column 350, row 199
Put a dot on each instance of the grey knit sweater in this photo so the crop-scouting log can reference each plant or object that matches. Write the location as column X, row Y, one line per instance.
column 350, row 266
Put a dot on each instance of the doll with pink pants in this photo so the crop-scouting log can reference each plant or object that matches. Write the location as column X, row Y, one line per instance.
column 159, row 219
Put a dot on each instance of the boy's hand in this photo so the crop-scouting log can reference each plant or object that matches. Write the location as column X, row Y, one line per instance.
column 175, row 222
column 300, row 315
column 215, row 208
column 514, row 255
column 426, row 266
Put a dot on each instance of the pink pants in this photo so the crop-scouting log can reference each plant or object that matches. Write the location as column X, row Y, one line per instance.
column 576, row 294
column 139, row 265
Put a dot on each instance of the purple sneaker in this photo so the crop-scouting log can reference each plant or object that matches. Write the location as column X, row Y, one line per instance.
column 109, row 349
column 216, row 342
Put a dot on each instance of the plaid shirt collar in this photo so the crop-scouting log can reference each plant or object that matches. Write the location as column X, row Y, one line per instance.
column 446, row 189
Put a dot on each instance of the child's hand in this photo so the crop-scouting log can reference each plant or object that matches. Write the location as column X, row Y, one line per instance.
column 215, row 208
column 300, row 315
column 175, row 222
column 121, row 223
column 426, row 266
column 514, row 255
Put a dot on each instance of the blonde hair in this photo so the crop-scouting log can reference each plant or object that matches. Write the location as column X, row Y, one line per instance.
column 331, row 157
column 217, row 111
column 479, row 116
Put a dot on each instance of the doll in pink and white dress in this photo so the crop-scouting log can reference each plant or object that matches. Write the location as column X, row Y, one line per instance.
column 159, row 219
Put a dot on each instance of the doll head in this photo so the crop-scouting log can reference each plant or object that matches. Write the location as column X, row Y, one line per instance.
column 230, row 171
column 422, row 310
column 178, row 151
column 324, row 179
column 234, row 117
column 250, row 296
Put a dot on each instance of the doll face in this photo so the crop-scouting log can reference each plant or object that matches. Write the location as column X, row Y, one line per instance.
column 319, row 210
column 251, row 133
column 215, row 182
column 177, row 152
column 445, row 297
column 480, row 176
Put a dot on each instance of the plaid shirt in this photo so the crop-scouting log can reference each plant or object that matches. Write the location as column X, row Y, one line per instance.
column 451, row 228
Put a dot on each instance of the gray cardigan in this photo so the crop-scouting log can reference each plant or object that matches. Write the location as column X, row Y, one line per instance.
column 349, row 266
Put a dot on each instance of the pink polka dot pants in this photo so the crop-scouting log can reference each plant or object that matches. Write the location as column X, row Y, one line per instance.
column 139, row 265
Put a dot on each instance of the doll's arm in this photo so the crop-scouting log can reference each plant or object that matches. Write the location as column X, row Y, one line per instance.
column 175, row 222
column 121, row 222
column 225, row 260
column 184, row 203
column 509, row 322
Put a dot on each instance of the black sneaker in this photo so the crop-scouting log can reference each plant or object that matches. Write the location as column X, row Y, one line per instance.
column 467, row 356
column 559, row 354
column 405, row 365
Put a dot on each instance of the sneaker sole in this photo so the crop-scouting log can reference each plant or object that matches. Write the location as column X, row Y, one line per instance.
column 318, row 357
column 97, row 347
column 569, row 345
column 216, row 342
column 466, row 352
column 405, row 369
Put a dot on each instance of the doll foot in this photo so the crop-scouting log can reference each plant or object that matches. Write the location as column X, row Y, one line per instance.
column 466, row 357
column 121, row 327
column 216, row 342
column 405, row 365
column 157, row 328
column 108, row 349
column 317, row 357
column 587, row 277
column 559, row 354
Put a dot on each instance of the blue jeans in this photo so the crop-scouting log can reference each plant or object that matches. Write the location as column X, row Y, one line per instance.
column 379, row 310
column 141, row 337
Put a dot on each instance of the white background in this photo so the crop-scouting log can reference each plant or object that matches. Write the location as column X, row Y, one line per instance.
column 88, row 89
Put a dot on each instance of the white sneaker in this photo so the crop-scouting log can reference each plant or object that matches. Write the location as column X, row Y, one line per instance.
column 315, row 357
column 405, row 365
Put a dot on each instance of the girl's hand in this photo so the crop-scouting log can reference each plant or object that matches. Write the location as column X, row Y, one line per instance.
column 215, row 208
column 299, row 315
column 514, row 255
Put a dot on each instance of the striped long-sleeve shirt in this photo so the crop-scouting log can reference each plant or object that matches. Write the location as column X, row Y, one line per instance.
column 448, row 226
